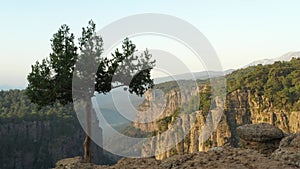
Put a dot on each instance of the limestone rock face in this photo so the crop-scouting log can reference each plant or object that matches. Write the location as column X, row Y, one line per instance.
column 289, row 149
column 242, row 107
column 294, row 121
column 259, row 132
column 158, row 106
column 246, row 107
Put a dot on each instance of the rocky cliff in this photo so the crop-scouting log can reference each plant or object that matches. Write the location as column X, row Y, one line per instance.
column 282, row 152
column 261, row 112
column 159, row 105
column 242, row 107
column 39, row 144
column 286, row 156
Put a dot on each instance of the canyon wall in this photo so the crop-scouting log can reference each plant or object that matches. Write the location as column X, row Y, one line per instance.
column 242, row 107
column 39, row 144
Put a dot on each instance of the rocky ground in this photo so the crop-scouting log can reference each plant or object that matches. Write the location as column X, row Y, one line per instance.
column 221, row 158
column 251, row 155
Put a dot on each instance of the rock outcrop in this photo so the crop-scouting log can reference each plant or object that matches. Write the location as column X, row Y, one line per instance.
column 73, row 163
column 262, row 137
column 242, row 107
column 159, row 105
column 286, row 156
column 259, row 132
column 289, row 150
column 221, row 158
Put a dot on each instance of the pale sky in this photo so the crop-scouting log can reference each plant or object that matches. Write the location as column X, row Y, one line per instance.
column 240, row 31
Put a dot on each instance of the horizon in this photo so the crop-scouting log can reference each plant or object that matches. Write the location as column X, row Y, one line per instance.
column 227, row 71
column 240, row 32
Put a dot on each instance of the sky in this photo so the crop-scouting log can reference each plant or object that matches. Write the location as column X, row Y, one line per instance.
column 240, row 31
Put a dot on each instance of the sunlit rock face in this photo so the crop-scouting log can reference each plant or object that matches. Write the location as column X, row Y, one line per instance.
column 242, row 107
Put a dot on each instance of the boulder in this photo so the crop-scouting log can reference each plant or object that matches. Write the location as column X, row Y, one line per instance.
column 289, row 150
column 262, row 132
column 263, row 137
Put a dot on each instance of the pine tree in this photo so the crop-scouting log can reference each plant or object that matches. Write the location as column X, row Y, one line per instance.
column 51, row 80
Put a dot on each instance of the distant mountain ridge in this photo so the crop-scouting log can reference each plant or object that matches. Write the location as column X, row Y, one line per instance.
column 204, row 74
column 210, row 74
column 190, row 76
column 286, row 57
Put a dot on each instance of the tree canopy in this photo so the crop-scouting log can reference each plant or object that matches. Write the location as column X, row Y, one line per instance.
column 51, row 79
column 70, row 74
column 279, row 82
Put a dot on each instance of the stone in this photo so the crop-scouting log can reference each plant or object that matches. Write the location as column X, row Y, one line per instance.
column 68, row 162
column 222, row 158
column 262, row 132
column 289, row 149
column 73, row 163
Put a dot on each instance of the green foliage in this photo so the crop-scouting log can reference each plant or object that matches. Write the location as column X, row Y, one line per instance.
column 279, row 82
column 187, row 140
column 16, row 107
column 164, row 122
column 60, row 77
column 153, row 133
column 53, row 125
column 205, row 101
column 131, row 131
column 126, row 68
column 208, row 143
column 89, row 58
column 167, row 86
column 201, row 101
column 51, row 80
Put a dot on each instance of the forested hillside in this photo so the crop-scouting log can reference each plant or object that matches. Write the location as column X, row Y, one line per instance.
column 257, row 94
column 16, row 107
column 35, row 137
column 279, row 82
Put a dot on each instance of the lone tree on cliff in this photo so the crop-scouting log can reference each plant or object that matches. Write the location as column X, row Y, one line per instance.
column 50, row 80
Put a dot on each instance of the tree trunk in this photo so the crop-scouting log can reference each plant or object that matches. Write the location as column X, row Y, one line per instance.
column 87, row 150
column 87, row 157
